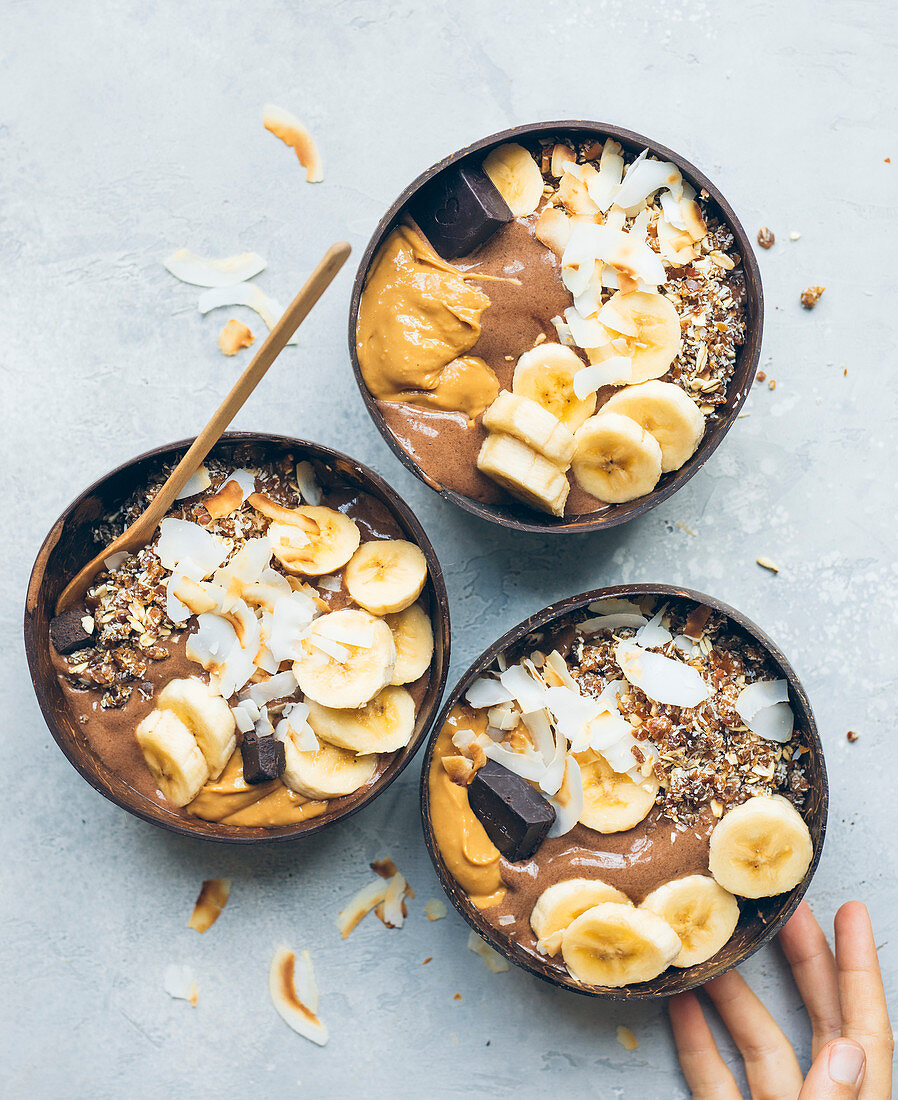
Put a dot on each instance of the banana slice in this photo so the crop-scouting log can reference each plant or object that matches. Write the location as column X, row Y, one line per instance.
column 760, row 848
column 386, row 576
column 206, row 715
column 668, row 413
column 526, row 474
column 533, row 424
column 612, row 802
column 327, row 772
column 384, row 725
column 413, row 637
column 616, row 459
column 702, row 914
column 172, row 755
column 347, row 657
column 557, row 906
column 312, row 541
column 546, row 375
column 616, row 945
column 516, row 176
column 651, row 327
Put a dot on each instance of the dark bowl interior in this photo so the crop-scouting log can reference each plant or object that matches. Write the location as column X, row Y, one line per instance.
column 518, row 516
column 69, row 545
column 758, row 921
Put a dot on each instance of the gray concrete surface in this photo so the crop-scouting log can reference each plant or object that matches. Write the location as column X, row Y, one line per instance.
column 128, row 129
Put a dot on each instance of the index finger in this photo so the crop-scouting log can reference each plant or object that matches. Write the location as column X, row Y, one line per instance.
column 865, row 1014
column 814, row 971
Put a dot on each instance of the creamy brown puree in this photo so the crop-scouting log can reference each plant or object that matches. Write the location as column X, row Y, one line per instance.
column 229, row 799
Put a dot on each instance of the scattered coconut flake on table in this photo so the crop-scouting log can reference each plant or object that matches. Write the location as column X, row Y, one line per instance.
column 435, row 909
column 626, row 1038
column 245, row 294
column 291, row 131
column 212, row 898
column 234, row 336
column 179, row 982
column 360, row 904
column 663, row 679
column 199, row 271
column 393, row 909
column 197, row 483
column 766, row 563
column 294, row 993
column 493, row 959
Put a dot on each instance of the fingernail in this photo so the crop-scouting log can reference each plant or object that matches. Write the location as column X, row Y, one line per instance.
column 846, row 1063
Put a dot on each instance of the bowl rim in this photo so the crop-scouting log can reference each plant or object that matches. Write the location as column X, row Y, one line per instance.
column 748, row 362
column 534, row 622
column 315, row 450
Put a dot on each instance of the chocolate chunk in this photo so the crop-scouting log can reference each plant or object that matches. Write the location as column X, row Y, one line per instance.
column 263, row 758
column 458, row 210
column 516, row 818
column 68, row 633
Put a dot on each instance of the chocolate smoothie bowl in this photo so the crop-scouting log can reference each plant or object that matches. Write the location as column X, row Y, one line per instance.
column 266, row 665
column 626, row 794
column 556, row 326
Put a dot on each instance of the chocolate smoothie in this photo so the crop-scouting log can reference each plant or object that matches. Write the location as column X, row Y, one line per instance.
column 289, row 558
column 650, row 730
column 521, row 315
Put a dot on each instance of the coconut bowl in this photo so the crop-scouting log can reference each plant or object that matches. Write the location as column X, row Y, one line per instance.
column 518, row 516
column 759, row 921
column 70, row 544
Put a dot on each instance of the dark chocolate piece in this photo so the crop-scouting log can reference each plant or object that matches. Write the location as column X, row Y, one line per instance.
column 67, row 631
column 458, row 210
column 263, row 758
column 515, row 816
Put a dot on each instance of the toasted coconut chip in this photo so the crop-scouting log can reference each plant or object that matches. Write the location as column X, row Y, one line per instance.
column 539, row 727
column 242, row 718
column 435, row 909
column 234, row 336
column 553, row 228
column 606, row 730
column 614, row 606
column 589, row 303
column 176, row 610
column 644, row 177
column 212, row 898
column 279, row 686
column 526, row 689
column 308, row 484
column 291, row 131
column 180, row 540
column 653, row 634
column 620, row 754
column 528, row 765
column 393, row 909
column 487, row 692
column 360, row 904
column 199, row 271
column 294, row 725
column 611, row 317
column 587, row 332
column 263, row 726
column 493, row 959
column 233, row 492
column 334, row 650
column 246, row 294
column 617, row 621
column 290, row 619
column 180, row 982
column 329, row 584
column 459, row 769
column 623, row 251
column 386, row 868
column 296, row 1004
column 563, row 332
column 248, row 564
column 626, row 1038
column 663, row 679
column 762, row 693
column 195, row 484
column 773, row 723
column 615, row 371
column 568, row 801
column 557, row 674
column 696, row 621
column 550, row 784
column 604, row 186
column 686, row 646
column 573, row 713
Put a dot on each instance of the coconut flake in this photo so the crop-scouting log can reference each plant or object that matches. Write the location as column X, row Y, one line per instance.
column 199, row 271
column 487, row 692
column 246, row 294
column 354, row 632
column 308, row 485
column 329, row 584
column 773, row 723
column 279, row 686
column 393, row 916
column 587, row 333
column 180, row 982
column 568, row 802
column 435, row 909
column 286, row 126
column 291, row 617
column 644, row 177
column 196, row 483
column 760, row 694
column 212, row 899
column 611, row 317
column 687, row 646
column 603, row 187
column 556, row 664
column 292, row 989
column 334, row 650
column 614, row 606
column 242, row 718
column 528, row 765
column 180, row 540
column 572, row 713
column 623, row 251
column 248, row 564
column 494, row 961
column 606, row 730
column 529, row 692
column 563, row 332
column 115, row 560
column 295, row 725
column 360, row 904
column 617, row 621
column 617, row 370
column 503, row 717
column 663, row 679
column 620, row 754
column 653, row 634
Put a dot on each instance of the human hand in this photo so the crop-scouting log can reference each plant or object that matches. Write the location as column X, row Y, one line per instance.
column 852, row 1038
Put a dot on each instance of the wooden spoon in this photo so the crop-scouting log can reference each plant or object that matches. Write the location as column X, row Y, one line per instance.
column 142, row 529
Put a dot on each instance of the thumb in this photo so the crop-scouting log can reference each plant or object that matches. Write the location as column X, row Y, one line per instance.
column 837, row 1072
